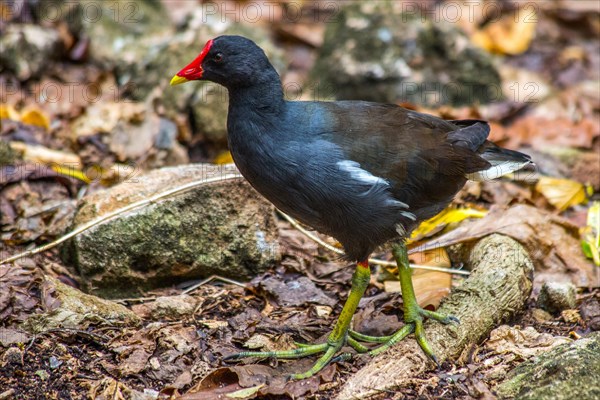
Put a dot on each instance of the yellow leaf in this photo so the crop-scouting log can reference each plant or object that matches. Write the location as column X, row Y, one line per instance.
column 71, row 172
column 448, row 216
column 561, row 193
column 591, row 234
column 8, row 112
column 224, row 158
column 35, row 116
column 511, row 34
column 244, row 393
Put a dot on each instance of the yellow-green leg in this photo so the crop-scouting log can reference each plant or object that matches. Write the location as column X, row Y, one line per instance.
column 337, row 338
column 413, row 314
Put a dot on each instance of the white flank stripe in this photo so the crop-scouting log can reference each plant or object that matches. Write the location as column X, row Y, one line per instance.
column 360, row 174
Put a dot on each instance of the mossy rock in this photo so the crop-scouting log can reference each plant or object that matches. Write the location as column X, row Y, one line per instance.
column 373, row 51
column 564, row 373
column 223, row 228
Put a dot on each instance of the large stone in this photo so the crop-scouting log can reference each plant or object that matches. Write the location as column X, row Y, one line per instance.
column 222, row 228
column 114, row 26
column 555, row 297
column 27, row 48
column 565, row 372
column 373, row 51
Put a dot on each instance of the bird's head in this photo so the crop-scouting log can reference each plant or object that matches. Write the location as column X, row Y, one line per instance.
column 228, row 60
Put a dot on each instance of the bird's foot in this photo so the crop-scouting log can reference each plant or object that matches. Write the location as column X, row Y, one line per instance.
column 413, row 313
column 329, row 350
column 336, row 339
column 414, row 318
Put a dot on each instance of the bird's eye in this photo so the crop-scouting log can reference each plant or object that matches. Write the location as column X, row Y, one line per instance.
column 218, row 57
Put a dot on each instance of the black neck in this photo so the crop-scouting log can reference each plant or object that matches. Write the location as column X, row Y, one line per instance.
column 264, row 95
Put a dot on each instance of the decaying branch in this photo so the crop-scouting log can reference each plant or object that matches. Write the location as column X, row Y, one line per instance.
column 498, row 287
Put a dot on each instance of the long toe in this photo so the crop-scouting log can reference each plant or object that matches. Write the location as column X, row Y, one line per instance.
column 422, row 340
column 321, row 362
column 442, row 318
column 303, row 351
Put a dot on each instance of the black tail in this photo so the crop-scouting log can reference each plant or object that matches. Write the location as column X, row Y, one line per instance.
column 503, row 161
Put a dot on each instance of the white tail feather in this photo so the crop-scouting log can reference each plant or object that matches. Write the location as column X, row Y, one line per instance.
column 498, row 169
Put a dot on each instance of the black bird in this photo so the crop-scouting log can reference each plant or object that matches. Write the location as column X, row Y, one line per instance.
column 364, row 173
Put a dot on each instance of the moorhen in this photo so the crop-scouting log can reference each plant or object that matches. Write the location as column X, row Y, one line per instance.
column 364, row 173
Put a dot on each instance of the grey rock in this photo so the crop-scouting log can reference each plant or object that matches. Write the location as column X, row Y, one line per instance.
column 110, row 26
column 557, row 296
column 563, row 373
column 27, row 49
column 172, row 307
column 167, row 132
column 222, row 228
column 374, row 52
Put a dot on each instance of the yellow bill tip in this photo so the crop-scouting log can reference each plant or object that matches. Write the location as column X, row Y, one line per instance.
column 177, row 80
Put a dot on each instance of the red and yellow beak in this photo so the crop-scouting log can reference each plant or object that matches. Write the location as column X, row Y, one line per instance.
column 193, row 71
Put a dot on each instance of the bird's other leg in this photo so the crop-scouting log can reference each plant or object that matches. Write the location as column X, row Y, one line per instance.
column 413, row 313
column 336, row 339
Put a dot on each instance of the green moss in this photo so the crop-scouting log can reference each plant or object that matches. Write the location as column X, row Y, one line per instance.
column 567, row 372
column 7, row 154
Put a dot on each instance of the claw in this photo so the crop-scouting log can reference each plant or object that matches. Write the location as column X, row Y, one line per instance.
column 231, row 357
column 435, row 360
column 341, row 357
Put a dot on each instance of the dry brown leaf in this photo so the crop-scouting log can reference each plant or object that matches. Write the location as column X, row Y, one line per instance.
column 9, row 336
column 539, row 132
column 552, row 242
column 261, row 342
column 135, row 362
column 524, row 343
column 213, row 324
column 311, row 34
column 112, row 389
column 231, row 380
column 430, row 287
column 295, row 292
column 17, row 282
